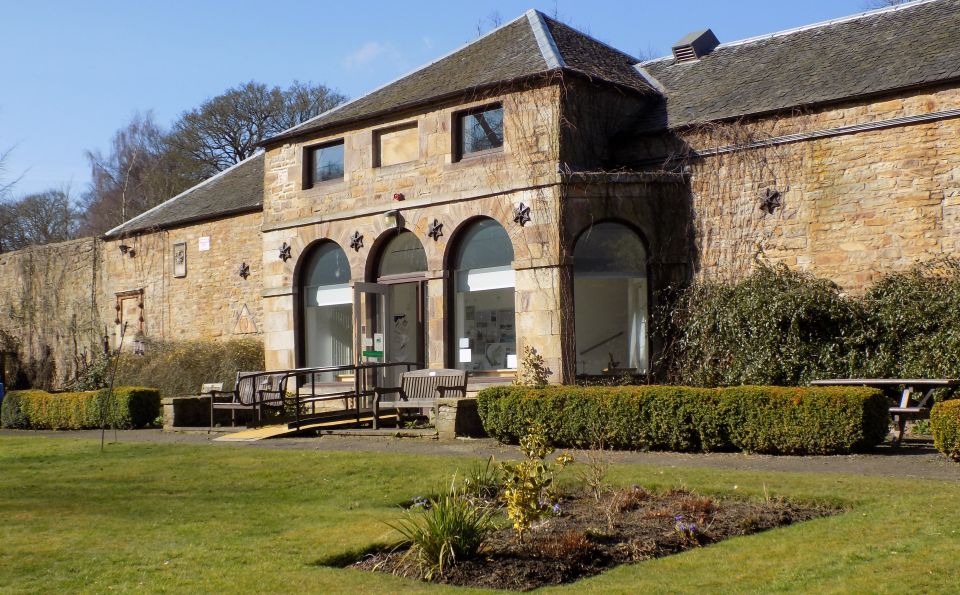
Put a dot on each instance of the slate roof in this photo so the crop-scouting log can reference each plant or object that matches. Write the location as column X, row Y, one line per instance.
column 865, row 54
column 526, row 47
column 238, row 189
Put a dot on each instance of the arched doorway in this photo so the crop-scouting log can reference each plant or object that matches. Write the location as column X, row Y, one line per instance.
column 610, row 299
column 327, row 307
column 401, row 269
column 483, row 326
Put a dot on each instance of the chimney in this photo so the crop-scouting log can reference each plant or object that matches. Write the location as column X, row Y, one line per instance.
column 694, row 46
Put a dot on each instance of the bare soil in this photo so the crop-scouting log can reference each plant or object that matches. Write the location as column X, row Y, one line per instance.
column 591, row 536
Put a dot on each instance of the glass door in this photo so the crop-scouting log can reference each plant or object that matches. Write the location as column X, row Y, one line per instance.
column 371, row 303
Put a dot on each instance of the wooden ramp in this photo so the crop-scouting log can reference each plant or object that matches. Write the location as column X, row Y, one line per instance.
column 321, row 423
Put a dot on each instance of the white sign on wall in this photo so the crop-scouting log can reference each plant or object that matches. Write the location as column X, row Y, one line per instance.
column 204, row 244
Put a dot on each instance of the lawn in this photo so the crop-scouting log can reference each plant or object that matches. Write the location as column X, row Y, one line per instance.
column 197, row 518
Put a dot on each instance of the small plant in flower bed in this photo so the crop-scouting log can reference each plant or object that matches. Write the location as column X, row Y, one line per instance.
column 455, row 539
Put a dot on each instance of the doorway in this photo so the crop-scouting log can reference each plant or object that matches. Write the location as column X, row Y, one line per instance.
column 391, row 311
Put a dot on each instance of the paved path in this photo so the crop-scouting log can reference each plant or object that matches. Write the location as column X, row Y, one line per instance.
column 916, row 460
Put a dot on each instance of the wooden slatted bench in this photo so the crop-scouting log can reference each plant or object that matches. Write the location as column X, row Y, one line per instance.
column 419, row 389
column 908, row 406
column 253, row 391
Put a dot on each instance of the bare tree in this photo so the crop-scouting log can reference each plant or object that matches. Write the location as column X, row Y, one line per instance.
column 36, row 219
column 6, row 186
column 138, row 173
column 229, row 128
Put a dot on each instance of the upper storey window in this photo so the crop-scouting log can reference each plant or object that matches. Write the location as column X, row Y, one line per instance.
column 400, row 144
column 480, row 130
column 325, row 163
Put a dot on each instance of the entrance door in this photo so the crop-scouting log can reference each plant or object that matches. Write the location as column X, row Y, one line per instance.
column 371, row 303
column 405, row 342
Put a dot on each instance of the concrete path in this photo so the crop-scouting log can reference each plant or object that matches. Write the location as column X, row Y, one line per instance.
column 913, row 460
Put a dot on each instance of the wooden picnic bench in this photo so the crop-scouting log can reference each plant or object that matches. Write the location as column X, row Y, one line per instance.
column 419, row 389
column 909, row 405
column 253, row 391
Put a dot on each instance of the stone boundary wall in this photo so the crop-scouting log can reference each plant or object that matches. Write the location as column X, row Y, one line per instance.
column 58, row 302
column 49, row 300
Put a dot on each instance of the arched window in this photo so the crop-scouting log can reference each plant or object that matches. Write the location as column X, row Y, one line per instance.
column 484, row 316
column 610, row 296
column 327, row 307
column 403, row 254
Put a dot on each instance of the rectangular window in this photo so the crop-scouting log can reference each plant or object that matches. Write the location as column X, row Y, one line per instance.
column 480, row 130
column 400, row 144
column 325, row 163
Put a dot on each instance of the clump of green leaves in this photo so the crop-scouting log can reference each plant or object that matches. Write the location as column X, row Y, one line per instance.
column 533, row 369
column 484, row 481
column 529, row 491
column 442, row 530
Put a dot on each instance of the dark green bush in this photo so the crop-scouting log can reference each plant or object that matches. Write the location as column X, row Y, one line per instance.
column 179, row 368
column 130, row 407
column 781, row 327
column 945, row 426
column 774, row 420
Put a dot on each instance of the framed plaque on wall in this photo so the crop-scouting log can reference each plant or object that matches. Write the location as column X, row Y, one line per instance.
column 180, row 259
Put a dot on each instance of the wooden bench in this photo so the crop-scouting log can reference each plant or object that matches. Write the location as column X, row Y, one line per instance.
column 908, row 406
column 253, row 391
column 419, row 389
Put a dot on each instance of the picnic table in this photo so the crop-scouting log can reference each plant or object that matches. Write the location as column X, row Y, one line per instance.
column 915, row 394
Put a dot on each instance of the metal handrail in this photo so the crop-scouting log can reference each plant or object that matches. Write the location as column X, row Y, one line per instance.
column 303, row 376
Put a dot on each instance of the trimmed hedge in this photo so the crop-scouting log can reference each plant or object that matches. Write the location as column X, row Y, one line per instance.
column 945, row 425
column 759, row 419
column 130, row 407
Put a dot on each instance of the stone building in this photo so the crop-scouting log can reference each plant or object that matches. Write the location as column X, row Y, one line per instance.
column 537, row 188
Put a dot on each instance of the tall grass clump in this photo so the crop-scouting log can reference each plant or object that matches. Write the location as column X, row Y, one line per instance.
column 180, row 367
column 443, row 530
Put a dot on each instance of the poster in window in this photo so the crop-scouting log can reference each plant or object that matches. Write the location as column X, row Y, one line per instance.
column 180, row 259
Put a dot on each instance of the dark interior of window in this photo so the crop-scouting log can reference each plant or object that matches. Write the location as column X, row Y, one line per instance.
column 325, row 163
column 480, row 130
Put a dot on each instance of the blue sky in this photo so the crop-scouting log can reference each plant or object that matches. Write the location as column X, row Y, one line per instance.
column 74, row 72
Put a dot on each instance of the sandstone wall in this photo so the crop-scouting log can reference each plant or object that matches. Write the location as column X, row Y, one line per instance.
column 854, row 206
column 212, row 301
column 436, row 187
column 49, row 299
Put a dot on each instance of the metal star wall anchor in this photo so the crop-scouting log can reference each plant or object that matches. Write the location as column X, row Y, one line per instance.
column 244, row 270
column 521, row 214
column 356, row 241
column 435, row 230
column 285, row 252
column 770, row 201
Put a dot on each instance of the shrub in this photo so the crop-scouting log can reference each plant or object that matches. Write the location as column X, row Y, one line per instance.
column 774, row 327
column 178, row 368
column 782, row 327
column 130, row 407
column 945, row 425
column 774, row 420
column 444, row 530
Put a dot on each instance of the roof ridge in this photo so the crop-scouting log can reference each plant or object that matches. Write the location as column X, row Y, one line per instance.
column 811, row 26
column 590, row 37
column 293, row 129
column 209, row 180
column 547, row 44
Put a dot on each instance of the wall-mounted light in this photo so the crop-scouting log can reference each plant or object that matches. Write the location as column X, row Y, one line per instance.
column 393, row 219
column 127, row 250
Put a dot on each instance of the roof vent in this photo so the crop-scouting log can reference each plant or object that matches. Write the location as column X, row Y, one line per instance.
column 695, row 45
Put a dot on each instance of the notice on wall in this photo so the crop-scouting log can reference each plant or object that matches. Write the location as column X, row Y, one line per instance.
column 204, row 244
column 466, row 356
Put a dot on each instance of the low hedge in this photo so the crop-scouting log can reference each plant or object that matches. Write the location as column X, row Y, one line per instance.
column 945, row 425
column 759, row 419
column 130, row 407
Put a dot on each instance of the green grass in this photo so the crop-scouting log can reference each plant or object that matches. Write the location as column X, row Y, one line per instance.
column 233, row 519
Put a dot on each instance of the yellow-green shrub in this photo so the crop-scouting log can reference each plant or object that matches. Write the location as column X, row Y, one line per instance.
column 129, row 407
column 945, row 426
column 762, row 419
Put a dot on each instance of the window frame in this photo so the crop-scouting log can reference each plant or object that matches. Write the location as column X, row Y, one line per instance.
column 457, row 128
column 378, row 134
column 308, row 169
